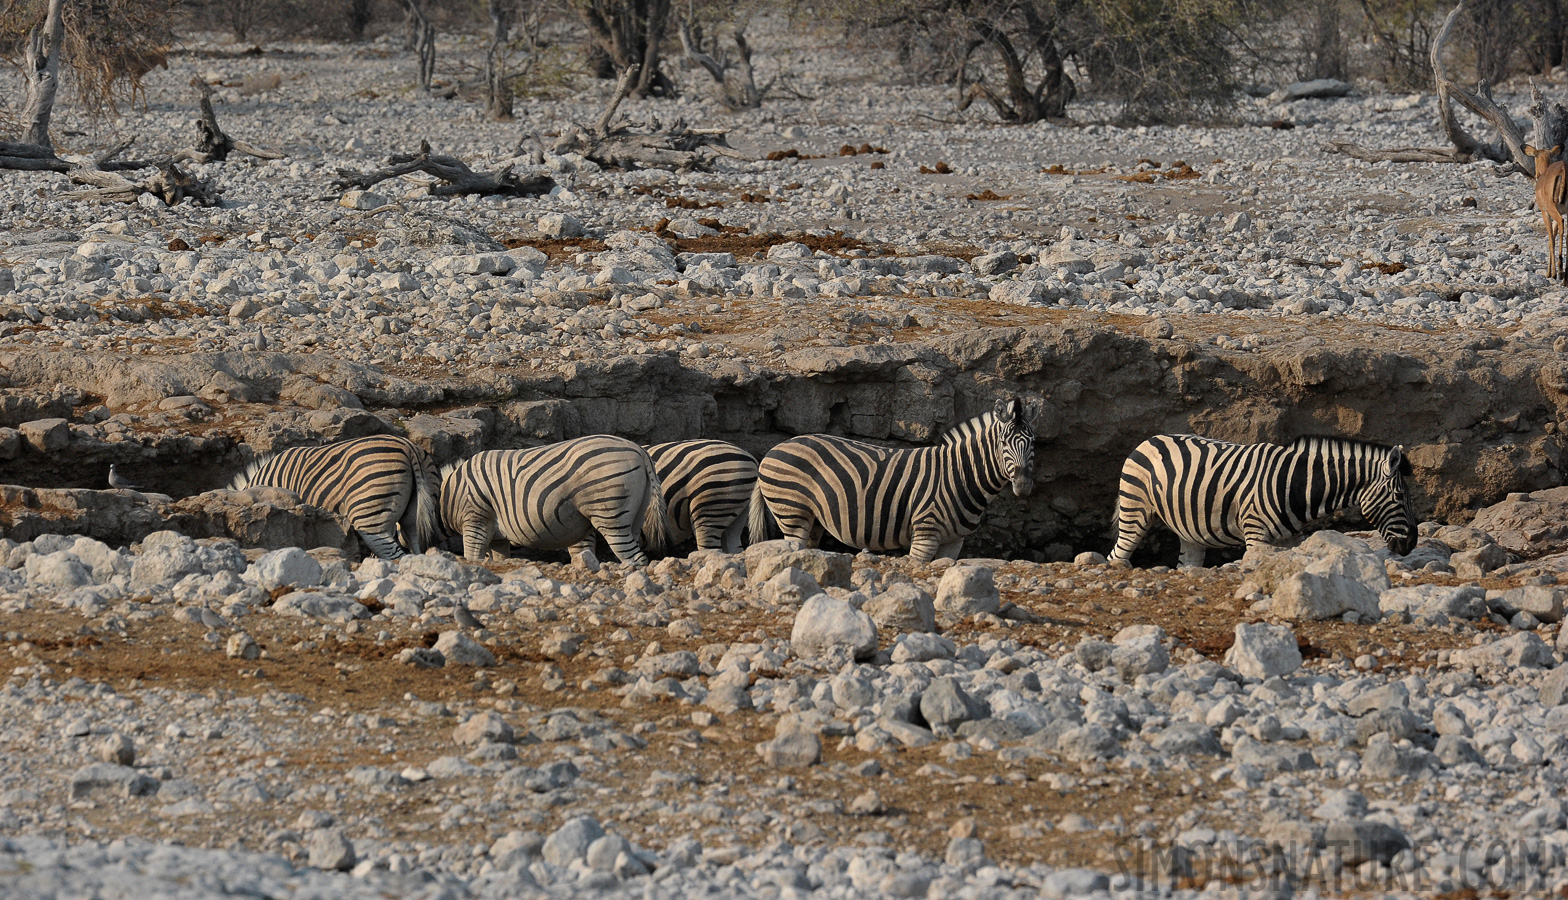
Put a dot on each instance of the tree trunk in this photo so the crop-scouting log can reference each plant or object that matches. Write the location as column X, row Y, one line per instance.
column 630, row 33
column 1493, row 24
column 497, row 84
column 358, row 18
column 41, row 66
column 1328, row 47
column 424, row 35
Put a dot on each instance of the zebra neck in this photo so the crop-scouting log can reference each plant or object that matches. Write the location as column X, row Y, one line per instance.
column 1337, row 474
column 973, row 463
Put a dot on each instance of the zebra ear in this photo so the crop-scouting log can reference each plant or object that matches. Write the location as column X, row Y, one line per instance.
column 1398, row 462
column 1008, row 409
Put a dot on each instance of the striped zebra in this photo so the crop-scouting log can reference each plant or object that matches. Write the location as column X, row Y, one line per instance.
column 374, row 483
column 1218, row 494
column 555, row 497
column 707, row 487
column 875, row 498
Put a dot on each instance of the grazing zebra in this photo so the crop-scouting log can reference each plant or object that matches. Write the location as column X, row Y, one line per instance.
column 555, row 497
column 374, row 483
column 1218, row 494
column 707, row 487
column 875, row 498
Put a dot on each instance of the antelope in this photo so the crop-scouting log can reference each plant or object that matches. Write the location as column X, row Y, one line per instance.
column 1551, row 190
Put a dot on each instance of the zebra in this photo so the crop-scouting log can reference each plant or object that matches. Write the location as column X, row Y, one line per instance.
column 1218, row 494
column 875, row 498
column 555, row 497
column 707, row 487
column 375, row 483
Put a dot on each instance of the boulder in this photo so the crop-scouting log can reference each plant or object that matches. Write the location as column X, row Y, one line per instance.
column 966, row 591
column 484, row 726
column 1358, row 840
column 1530, row 525
column 1554, row 688
column 46, row 435
column 1542, row 601
column 1264, row 651
column 290, row 567
column 571, row 841
column 1518, row 651
column 766, row 559
column 111, row 778
column 1459, row 602
column 792, row 749
column 902, row 607
column 1142, row 655
column 461, row 650
column 946, row 704
column 331, row 851
column 825, row 624
column 1325, row 576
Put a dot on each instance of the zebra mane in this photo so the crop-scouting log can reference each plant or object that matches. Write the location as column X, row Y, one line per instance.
column 1308, row 440
column 964, row 429
column 245, row 478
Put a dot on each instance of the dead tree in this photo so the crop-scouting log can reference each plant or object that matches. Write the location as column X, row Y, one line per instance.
column 737, row 92
column 630, row 33
column 424, row 35
column 458, row 177
column 41, row 67
column 615, row 144
column 212, row 144
column 1550, row 122
column 498, row 87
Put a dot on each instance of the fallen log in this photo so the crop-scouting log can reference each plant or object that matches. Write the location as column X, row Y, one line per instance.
column 170, row 184
column 458, row 177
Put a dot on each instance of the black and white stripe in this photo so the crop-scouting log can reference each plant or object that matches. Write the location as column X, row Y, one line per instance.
column 875, row 498
column 1218, row 494
column 374, row 483
column 707, row 487
column 556, row 497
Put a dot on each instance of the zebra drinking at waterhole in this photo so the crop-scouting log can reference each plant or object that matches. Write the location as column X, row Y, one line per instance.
column 707, row 487
column 374, row 483
column 1219, row 494
column 556, row 497
column 875, row 498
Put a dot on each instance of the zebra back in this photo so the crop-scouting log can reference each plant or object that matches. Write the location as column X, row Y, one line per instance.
column 707, row 484
column 871, row 497
column 1221, row 494
column 369, row 481
column 552, row 497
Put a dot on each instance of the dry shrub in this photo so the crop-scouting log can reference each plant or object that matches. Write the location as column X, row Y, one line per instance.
column 109, row 44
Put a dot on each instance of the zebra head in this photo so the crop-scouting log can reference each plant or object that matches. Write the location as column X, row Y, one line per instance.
column 1385, row 502
column 1014, row 443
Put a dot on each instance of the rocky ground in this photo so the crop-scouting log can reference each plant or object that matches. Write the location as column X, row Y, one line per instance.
column 236, row 716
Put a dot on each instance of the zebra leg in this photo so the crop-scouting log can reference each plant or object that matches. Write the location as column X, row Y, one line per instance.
column 731, row 539
column 923, row 548
column 1192, row 554
column 1132, row 526
column 478, row 531
column 624, row 546
column 950, row 550
column 382, row 545
column 710, row 538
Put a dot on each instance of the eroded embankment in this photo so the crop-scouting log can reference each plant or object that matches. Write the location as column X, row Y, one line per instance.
column 1480, row 415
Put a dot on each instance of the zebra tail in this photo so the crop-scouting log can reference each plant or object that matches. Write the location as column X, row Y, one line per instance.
column 758, row 518
column 427, row 512
column 656, row 516
column 247, row 477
